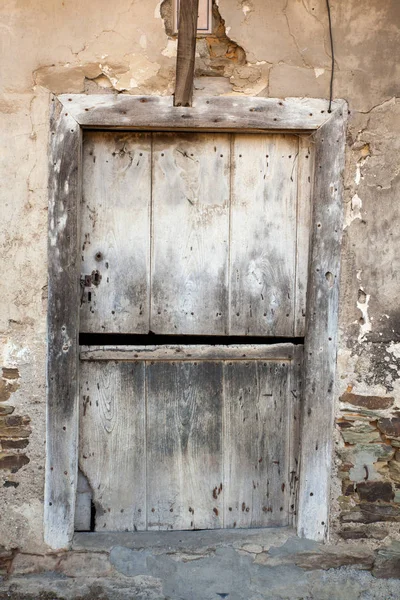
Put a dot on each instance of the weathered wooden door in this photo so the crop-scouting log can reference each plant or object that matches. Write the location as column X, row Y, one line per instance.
column 192, row 235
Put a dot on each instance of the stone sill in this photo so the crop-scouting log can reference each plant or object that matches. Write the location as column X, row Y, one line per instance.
column 196, row 542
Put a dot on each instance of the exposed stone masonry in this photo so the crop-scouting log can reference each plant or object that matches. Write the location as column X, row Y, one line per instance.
column 14, row 429
column 370, row 469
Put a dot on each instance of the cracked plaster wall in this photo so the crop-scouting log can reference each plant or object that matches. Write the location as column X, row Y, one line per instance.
column 276, row 48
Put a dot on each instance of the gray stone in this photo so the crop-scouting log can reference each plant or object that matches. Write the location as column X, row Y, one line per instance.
column 129, row 562
column 354, row 437
column 259, row 583
column 182, row 541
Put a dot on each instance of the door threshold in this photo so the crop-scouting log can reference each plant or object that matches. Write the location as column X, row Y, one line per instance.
column 192, row 541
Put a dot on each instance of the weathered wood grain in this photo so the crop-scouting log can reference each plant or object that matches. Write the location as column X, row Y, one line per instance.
column 208, row 113
column 256, row 444
column 190, row 234
column 305, row 162
column 322, row 330
column 223, row 114
column 201, row 444
column 189, row 352
column 263, row 235
column 62, row 328
column 294, row 406
column 187, row 29
column 184, row 445
column 115, row 232
column 112, row 442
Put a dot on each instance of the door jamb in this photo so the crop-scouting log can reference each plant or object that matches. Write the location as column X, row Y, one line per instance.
column 71, row 114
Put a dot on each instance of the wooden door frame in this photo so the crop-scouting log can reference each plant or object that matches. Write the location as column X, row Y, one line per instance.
column 70, row 114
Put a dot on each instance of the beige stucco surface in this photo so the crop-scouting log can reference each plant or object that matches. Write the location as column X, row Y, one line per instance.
column 277, row 48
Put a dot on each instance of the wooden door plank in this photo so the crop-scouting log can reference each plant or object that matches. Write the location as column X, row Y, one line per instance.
column 256, row 445
column 190, row 234
column 189, row 352
column 263, row 235
column 115, row 233
column 184, row 445
column 112, row 442
column 294, row 404
column 187, row 29
column 304, row 207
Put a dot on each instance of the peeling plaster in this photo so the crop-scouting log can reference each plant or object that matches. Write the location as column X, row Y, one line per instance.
column 364, row 321
column 394, row 349
column 353, row 211
column 171, row 48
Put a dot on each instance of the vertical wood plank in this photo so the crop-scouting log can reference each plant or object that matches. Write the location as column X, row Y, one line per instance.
column 322, row 330
column 187, row 28
column 304, row 195
column 184, row 445
column 112, row 442
column 256, row 444
column 115, row 238
column 62, row 328
column 294, row 416
column 263, row 235
column 190, row 234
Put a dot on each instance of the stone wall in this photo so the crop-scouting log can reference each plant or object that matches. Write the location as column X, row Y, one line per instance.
column 277, row 48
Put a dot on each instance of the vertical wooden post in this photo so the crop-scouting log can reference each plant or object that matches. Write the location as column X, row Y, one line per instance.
column 187, row 29
column 322, row 330
column 63, row 328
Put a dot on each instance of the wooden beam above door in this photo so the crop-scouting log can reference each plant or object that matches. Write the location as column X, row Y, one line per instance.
column 188, row 13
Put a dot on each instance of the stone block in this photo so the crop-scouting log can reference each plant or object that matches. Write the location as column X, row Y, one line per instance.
column 354, row 437
column 84, row 564
column 323, row 557
column 27, row 564
column 6, row 557
column 369, row 402
column 363, row 533
column 252, row 548
column 390, row 427
column 18, row 444
column 347, row 487
column 13, row 462
column 10, row 373
column 368, row 512
column 14, row 420
column 387, row 562
column 70, row 564
column 394, row 470
column 335, row 557
column 129, row 562
column 6, row 389
column 373, row 491
column 9, row 431
column 367, row 460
